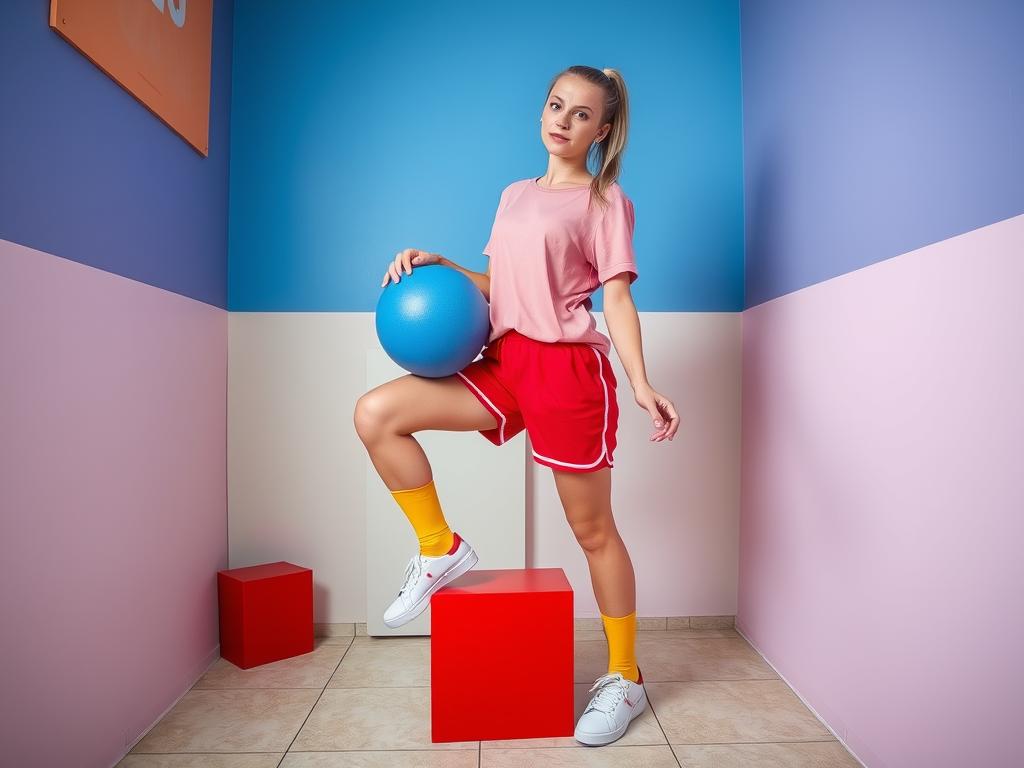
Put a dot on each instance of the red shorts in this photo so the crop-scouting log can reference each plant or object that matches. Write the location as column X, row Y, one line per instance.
column 562, row 393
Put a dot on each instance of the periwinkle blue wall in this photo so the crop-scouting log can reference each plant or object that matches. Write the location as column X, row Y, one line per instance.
column 359, row 129
column 872, row 128
column 89, row 174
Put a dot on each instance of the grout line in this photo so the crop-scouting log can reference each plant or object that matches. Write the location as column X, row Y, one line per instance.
column 207, row 752
column 616, row 745
column 306, row 718
column 730, row 743
column 803, row 701
column 401, row 687
column 356, row 752
column 661, row 728
column 598, row 628
column 138, row 739
column 613, row 745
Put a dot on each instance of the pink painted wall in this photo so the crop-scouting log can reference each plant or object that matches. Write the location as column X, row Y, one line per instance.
column 883, row 500
column 114, row 510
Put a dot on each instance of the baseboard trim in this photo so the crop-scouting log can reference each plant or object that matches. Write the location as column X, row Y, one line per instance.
column 643, row 623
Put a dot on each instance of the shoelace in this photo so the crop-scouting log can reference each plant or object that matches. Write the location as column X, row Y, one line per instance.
column 412, row 571
column 611, row 689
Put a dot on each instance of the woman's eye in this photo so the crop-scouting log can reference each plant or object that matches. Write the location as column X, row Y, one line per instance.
column 581, row 112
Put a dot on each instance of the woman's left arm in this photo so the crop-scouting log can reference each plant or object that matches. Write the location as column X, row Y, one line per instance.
column 624, row 329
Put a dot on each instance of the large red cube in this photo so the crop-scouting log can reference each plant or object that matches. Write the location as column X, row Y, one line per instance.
column 493, row 635
column 266, row 613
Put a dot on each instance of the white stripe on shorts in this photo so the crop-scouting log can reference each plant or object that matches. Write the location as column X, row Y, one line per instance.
column 604, row 429
column 501, row 427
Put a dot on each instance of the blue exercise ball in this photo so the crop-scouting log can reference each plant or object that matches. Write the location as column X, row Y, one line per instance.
column 433, row 322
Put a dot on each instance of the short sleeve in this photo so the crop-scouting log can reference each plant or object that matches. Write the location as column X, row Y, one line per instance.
column 612, row 250
column 490, row 241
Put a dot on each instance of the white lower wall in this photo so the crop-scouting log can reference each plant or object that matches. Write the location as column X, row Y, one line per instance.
column 296, row 468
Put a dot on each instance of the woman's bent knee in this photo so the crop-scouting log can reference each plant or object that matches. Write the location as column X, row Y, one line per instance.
column 411, row 404
column 371, row 416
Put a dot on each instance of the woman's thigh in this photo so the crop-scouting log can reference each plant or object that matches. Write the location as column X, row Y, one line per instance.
column 586, row 499
column 414, row 403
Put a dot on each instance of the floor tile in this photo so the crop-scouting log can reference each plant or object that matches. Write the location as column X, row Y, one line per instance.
column 335, row 639
column 310, row 670
column 733, row 711
column 447, row 758
column 202, row 760
column 371, row 718
column 257, row 720
column 700, row 659
column 611, row 756
column 808, row 754
column 384, row 662
column 714, row 703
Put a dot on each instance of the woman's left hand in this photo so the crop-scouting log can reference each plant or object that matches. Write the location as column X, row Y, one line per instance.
column 663, row 413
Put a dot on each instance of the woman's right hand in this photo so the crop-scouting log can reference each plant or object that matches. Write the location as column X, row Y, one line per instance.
column 407, row 259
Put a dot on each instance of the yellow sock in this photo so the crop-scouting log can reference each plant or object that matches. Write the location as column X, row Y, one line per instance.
column 423, row 509
column 621, row 632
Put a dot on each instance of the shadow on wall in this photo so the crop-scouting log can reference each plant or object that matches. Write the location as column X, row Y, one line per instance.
column 765, row 224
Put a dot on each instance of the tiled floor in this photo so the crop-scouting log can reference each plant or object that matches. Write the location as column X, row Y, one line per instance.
column 364, row 702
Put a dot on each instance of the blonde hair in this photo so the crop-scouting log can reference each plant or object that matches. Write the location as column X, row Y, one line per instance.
column 609, row 151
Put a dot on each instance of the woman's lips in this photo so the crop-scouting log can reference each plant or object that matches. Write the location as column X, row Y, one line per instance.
column 557, row 138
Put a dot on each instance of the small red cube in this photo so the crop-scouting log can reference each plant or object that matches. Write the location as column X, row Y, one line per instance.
column 501, row 656
column 266, row 613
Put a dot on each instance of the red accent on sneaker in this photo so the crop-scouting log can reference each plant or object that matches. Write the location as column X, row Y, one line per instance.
column 455, row 543
column 429, row 576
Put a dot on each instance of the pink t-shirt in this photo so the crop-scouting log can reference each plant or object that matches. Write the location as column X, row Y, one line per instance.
column 549, row 252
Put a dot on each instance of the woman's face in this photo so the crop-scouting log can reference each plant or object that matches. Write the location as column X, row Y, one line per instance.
column 573, row 110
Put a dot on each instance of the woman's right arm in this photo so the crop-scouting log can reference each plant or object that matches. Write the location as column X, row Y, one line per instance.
column 481, row 280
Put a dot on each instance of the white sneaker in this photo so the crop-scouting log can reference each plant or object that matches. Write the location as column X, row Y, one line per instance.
column 424, row 575
column 617, row 701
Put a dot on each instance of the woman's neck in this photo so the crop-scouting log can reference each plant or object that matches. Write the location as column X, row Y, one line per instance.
column 577, row 181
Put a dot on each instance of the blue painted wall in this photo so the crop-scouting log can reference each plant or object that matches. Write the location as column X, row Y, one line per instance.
column 874, row 128
column 90, row 174
column 360, row 129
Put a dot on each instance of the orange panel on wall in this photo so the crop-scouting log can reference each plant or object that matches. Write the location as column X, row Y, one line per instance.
column 158, row 50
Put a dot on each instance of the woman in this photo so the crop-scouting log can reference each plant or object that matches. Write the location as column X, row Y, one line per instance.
column 555, row 240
